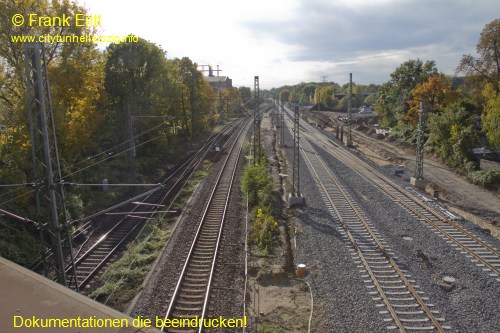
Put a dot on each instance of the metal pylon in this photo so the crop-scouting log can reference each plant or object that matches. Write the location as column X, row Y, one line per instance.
column 256, row 123
column 282, row 124
column 419, row 167
column 296, row 154
column 49, row 193
column 349, row 113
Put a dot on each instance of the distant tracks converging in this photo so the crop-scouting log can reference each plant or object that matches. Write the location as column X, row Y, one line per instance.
column 191, row 294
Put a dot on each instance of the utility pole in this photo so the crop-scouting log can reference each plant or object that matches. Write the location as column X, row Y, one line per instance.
column 256, row 123
column 419, row 168
column 295, row 198
column 193, row 132
column 349, row 114
column 44, row 153
column 418, row 178
column 282, row 122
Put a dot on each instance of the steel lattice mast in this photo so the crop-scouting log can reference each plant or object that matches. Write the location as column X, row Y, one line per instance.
column 349, row 114
column 296, row 154
column 282, row 123
column 419, row 167
column 49, row 193
column 256, row 123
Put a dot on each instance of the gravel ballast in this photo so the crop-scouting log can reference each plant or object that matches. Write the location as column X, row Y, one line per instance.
column 469, row 303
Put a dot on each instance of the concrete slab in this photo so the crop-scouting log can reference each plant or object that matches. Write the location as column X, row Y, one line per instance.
column 29, row 299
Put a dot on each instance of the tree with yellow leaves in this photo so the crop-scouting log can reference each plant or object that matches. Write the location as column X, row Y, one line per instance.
column 435, row 93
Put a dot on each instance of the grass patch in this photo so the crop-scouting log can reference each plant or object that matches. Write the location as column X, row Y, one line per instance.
column 123, row 278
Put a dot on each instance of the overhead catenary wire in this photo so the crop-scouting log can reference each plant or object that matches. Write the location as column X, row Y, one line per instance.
column 16, row 197
column 132, row 199
column 115, row 146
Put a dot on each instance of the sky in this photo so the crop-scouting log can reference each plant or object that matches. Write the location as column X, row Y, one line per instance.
column 286, row 42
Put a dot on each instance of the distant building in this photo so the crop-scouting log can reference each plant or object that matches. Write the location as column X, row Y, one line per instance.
column 218, row 82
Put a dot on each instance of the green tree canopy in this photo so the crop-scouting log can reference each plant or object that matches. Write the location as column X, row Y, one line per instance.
column 491, row 116
column 486, row 68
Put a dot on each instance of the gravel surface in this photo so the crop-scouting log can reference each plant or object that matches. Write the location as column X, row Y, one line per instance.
column 471, row 305
column 334, row 277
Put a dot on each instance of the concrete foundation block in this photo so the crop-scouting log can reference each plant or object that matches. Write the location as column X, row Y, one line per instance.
column 418, row 183
column 294, row 200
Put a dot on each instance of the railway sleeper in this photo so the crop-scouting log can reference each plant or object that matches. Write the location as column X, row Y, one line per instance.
column 198, row 286
column 195, row 279
column 187, row 312
column 198, row 274
column 189, row 294
column 189, row 302
column 397, row 292
column 393, row 287
column 197, row 265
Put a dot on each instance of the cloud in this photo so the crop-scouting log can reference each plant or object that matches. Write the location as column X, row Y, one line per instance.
column 364, row 33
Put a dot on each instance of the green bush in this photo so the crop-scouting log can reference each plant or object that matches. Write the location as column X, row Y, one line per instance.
column 405, row 132
column 488, row 179
column 264, row 227
column 257, row 184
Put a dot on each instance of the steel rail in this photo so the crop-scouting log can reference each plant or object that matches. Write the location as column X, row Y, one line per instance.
column 420, row 211
column 377, row 241
column 341, row 209
column 198, row 234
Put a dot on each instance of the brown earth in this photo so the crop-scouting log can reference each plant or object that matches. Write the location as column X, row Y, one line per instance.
column 279, row 301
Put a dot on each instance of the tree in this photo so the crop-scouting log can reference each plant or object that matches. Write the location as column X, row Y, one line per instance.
column 453, row 133
column 138, row 77
column 12, row 53
column 491, row 116
column 284, row 94
column 435, row 93
column 75, row 73
column 384, row 103
column 486, row 68
column 246, row 94
column 395, row 95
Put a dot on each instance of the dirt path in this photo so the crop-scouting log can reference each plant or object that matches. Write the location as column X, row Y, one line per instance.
column 278, row 301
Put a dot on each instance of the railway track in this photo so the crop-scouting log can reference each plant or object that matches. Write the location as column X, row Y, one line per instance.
column 191, row 294
column 481, row 253
column 404, row 306
column 484, row 255
column 126, row 223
